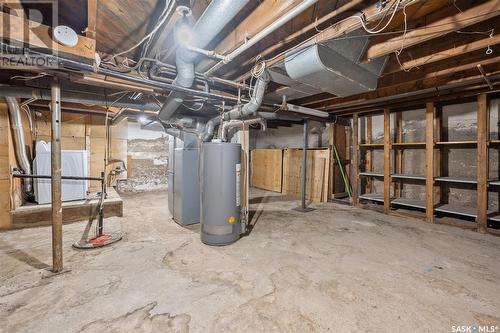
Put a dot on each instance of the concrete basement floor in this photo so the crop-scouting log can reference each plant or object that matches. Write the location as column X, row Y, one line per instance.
column 334, row 269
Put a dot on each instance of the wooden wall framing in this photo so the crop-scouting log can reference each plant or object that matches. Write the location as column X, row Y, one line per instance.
column 434, row 162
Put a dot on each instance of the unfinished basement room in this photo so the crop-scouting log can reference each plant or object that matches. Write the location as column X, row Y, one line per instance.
column 249, row 166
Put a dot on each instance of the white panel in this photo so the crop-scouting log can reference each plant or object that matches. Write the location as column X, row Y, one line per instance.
column 73, row 163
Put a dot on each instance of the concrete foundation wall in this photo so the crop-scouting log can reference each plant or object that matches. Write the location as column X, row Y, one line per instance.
column 148, row 158
column 459, row 124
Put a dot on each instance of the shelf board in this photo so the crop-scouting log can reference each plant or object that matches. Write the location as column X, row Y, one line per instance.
column 457, row 210
column 494, row 142
column 457, row 143
column 494, row 217
column 407, row 176
column 403, row 145
column 409, row 203
column 371, row 145
column 372, row 197
column 371, row 174
column 494, row 183
column 456, row 180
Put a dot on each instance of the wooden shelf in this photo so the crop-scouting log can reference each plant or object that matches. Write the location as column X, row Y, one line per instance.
column 407, row 176
column 371, row 174
column 466, row 144
column 408, row 145
column 371, row 145
column 457, row 180
column 457, row 210
column 409, row 203
column 494, row 183
column 372, row 197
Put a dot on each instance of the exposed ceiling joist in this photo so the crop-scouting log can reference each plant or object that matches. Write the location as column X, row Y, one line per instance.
column 439, row 69
column 434, row 82
column 443, row 55
column 436, row 29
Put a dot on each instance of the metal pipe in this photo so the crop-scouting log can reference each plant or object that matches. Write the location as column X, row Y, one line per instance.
column 71, row 97
column 55, row 151
column 239, row 112
column 18, row 175
column 308, row 111
column 20, row 149
column 227, row 125
column 217, row 15
column 304, row 168
column 262, row 34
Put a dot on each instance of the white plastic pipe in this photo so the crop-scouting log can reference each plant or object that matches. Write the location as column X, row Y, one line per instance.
column 263, row 33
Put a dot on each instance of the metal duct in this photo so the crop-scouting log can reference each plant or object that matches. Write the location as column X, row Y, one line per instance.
column 217, row 15
column 239, row 112
column 335, row 67
column 22, row 156
column 236, row 123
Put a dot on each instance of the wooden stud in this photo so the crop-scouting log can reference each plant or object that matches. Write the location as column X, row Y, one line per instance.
column 369, row 153
column 429, row 162
column 387, row 160
column 355, row 160
column 482, row 162
column 398, row 161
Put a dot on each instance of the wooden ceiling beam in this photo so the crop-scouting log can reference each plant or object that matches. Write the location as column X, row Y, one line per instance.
column 455, row 51
column 20, row 31
column 439, row 69
column 404, row 88
column 420, row 100
column 436, row 29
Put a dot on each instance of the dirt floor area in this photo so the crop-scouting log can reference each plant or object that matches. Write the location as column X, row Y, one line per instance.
column 337, row 269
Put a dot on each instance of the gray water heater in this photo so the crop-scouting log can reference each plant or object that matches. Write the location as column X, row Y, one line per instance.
column 220, row 193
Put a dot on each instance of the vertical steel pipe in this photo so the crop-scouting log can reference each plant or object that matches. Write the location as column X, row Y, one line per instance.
column 55, row 106
column 304, row 167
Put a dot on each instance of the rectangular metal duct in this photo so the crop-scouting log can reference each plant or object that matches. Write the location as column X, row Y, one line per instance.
column 334, row 66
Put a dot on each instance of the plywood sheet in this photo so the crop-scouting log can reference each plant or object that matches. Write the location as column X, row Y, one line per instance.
column 267, row 166
column 317, row 173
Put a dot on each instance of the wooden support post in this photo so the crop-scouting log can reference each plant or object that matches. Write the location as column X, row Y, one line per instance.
column 398, row 160
column 355, row 160
column 482, row 163
column 429, row 162
column 369, row 153
column 57, row 253
column 387, row 160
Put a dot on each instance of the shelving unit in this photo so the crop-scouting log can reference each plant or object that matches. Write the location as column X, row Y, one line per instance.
column 435, row 173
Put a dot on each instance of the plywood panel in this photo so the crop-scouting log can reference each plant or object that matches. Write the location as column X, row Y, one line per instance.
column 317, row 173
column 267, row 166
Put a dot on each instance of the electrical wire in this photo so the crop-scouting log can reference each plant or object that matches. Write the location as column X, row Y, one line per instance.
column 169, row 5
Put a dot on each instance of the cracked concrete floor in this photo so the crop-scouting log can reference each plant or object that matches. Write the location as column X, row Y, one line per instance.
column 333, row 269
